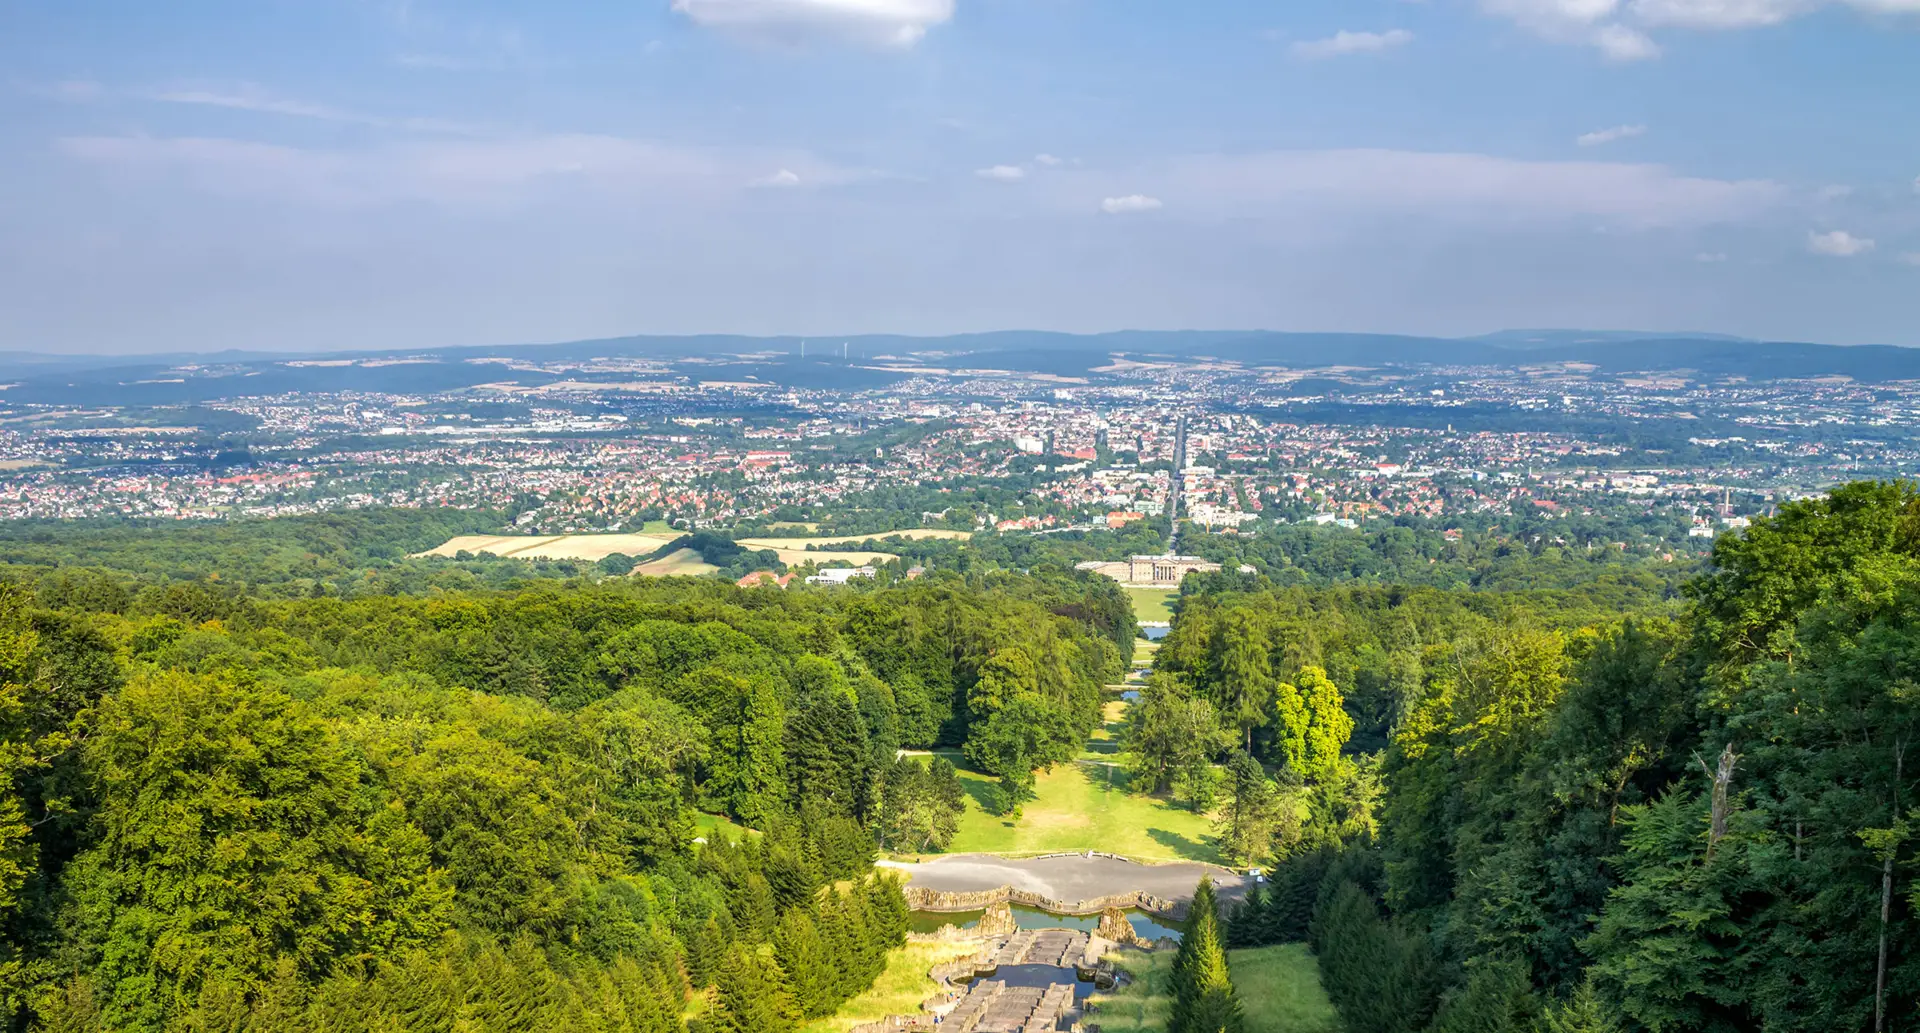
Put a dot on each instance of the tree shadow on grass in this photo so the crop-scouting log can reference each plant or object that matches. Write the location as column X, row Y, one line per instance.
column 985, row 795
column 1187, row 848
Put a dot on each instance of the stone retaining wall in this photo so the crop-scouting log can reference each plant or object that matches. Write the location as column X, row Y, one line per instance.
column 922, row 899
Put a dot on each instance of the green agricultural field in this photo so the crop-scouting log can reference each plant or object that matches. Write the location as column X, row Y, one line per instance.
column 1152, row 604
column 1083, row 806
column 899, row 990
column 1279, row 989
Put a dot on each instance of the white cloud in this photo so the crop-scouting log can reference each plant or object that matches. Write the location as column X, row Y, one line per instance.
column 782, row 178
column 1003, row 173
column 1621, row 43
column 1719, row 14
column 1711, row 257
column 1606, row 136
column 1050, row 161
column 1130, row 204
column 1344, row 42
column 883, row 23
column 1618, row 28
column 1911, row 258
column 1838, row 244
column 1833, row 192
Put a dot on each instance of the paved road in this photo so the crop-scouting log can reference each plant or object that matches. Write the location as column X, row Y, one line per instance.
column 1070, row 878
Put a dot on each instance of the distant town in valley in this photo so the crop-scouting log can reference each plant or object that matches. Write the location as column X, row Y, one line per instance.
column 821, row 437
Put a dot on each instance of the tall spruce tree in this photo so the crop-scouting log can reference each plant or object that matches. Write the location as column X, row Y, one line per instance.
column 1203, row 997
column 753, row 995
column 802, row 954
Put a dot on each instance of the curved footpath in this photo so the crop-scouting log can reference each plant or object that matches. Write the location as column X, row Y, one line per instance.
column 1067, row 876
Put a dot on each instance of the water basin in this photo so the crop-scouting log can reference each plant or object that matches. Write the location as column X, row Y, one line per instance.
column 1041, row 976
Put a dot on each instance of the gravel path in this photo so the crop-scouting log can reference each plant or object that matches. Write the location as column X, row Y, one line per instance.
column 1070, row 878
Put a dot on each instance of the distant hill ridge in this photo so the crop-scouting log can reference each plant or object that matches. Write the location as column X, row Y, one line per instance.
column 157, row 380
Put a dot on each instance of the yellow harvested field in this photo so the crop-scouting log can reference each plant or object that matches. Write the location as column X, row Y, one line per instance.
column 795, row 557
column 678, row 563
column 589, row 547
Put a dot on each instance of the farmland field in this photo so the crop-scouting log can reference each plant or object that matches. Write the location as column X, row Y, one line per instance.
column 678, row 563
column 589, row 547
column 595, row 547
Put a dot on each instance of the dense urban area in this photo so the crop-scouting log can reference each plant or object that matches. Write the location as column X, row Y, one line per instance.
column 976, row 448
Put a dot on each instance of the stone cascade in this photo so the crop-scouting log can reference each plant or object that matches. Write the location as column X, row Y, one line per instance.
column 995, row 1007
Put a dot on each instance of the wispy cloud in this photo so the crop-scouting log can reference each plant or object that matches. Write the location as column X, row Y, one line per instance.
column 476, row 172
column 73, row 91
column 252, row 98
column 1343, row 43
column 1600, row 137
column 1130, row 205
column 1838, row 244
column 1710, row 257
column 1002, row 173
column 1481, row 190
column 882, row 23
column 782, row 178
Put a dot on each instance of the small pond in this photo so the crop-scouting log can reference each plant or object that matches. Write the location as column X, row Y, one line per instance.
column 1024, row 917
column 1156, row 634
column 1131, row 695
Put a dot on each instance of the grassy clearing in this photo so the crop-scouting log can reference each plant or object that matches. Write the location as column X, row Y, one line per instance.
column 1152, row 604
column 898, row 991
column 1104, row 744
column 1279, row 989
column 707, row 826
column 1083, row 806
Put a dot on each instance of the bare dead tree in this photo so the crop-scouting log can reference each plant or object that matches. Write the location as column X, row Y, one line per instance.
column 1722, row 777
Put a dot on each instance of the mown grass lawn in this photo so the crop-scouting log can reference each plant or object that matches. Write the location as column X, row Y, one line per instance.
column 1083, row 806
column 1152, row 604
column 1104, row 744
column 898, row 991
column 1279, row 990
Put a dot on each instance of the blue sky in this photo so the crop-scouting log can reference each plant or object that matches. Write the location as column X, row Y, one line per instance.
column 307, row 174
